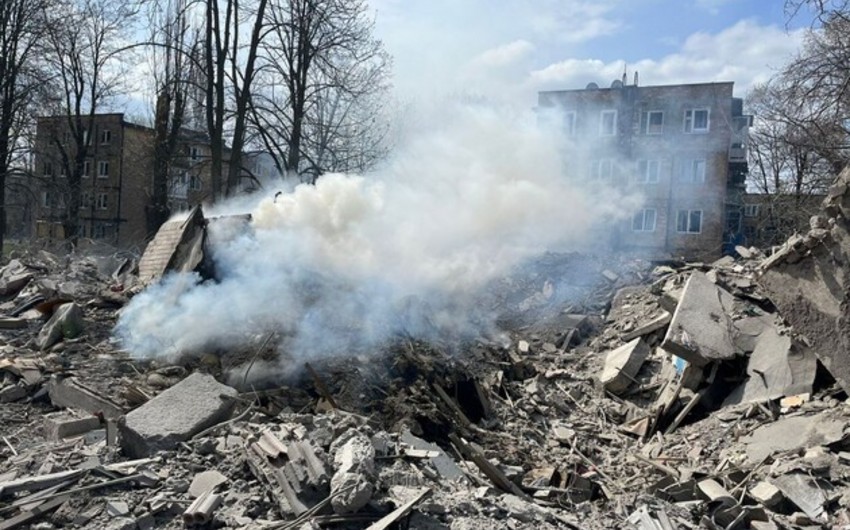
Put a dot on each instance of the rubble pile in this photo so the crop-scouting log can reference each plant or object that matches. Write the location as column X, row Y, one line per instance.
column 610, row 395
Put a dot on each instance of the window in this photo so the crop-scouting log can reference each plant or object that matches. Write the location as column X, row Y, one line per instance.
column 103, row 169
column 86, row 169
column 644, row 221
column 102, row 201
column 48, row 169
column 105, row 136
column 195, row 183
column 693, row 171
column 648, row 171
column 751, row 210
column 86, row 137
column 689, row 221
column 98, row 231
column 86, row 200
column 696, row 120
column 194, row 153
column 608, row 123
column 601, row 169
column 654, row 122
column 47, row 199
column 569, row 123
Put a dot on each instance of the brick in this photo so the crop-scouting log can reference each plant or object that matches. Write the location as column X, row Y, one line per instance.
column 701, row 330
column 176, row 414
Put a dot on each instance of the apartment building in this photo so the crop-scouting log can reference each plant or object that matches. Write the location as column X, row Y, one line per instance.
column 116, row 185
column 680, row 147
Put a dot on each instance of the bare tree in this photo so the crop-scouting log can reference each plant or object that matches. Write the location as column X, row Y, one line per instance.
column 21, row 29
column 83, row 38
column 318, row 107
column 174, row 73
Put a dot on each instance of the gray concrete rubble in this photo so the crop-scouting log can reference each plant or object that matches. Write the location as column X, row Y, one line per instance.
column 701, row 330
column 66, row 323
column 176, row 414
column 605, row 393
column 808, row 281
column 622, row 365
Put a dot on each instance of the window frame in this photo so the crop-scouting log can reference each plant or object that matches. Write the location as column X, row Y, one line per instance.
column 86, row 169
column 690, row 120
column 643, row 215
column 688, row 218
column 602, row 114
column 643, row 176
column 647, row 130
column 105, row 137
column 102, row 201
column 751, row 210
column 596, row 173
column 101, row 174
column 569, row 118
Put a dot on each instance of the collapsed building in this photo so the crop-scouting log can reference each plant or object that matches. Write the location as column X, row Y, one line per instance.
column 616, row 394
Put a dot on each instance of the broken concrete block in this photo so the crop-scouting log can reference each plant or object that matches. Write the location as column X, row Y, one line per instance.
column 795, row 432
column 623, row 364
column 66, row 323
column 777, row 367
column 766, row 494
column 807, row 493
column 176, row 414
column 61, row 425
column 356, row 488
column 117, row 508
column 204, row 482
column 71, row 394
column 648, row 327
column 701, row 330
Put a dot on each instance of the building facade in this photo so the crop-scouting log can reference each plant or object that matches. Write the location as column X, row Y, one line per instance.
column 682, row 148
column 117, row 178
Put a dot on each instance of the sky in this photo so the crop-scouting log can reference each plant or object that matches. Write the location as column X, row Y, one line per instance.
column 511, row 49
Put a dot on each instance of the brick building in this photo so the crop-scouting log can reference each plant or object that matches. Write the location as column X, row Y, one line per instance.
column 117, row 178
column 681, row 147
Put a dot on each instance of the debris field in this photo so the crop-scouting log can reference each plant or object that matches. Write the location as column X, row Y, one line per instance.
column 656, row 396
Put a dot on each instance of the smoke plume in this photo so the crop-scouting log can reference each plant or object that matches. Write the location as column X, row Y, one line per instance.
column 345, row 264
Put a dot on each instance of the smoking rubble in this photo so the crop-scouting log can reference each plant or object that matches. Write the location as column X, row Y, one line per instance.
column 342, row 265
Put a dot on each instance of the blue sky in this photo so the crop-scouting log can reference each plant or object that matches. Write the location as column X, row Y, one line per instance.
column 512, row 48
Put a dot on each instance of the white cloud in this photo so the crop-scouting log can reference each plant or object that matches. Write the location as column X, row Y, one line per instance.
column 745, row 53
column 712, row 6
column 503, row 55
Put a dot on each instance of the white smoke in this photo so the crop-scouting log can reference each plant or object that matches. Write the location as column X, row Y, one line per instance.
column 353, row 260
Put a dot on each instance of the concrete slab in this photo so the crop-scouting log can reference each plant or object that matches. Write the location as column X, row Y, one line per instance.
column 793, row 433
column 778, row 367
column 70, row 393
column 701, row 330
column 66, row 323
column 173, row 248
column 622, row 365
column 176, row 414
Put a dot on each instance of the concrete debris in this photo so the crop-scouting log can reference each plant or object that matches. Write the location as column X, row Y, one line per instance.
column 712, row 412
column 176, row 414
column 622, row 365
column 701, row 330
column 66, row 323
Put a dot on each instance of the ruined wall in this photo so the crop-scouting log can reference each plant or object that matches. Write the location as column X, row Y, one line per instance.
column 808, row 281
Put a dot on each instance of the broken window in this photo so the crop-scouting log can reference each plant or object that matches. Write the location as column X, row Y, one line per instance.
column 608, row 123
column 194, row 153
column 648, row 171
column 644, row 220
column 689, row 221
column 696, row 120
column 654, row 122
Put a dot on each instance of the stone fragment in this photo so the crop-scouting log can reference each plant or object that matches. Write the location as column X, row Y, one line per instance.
column 807, row 493
column 61, row 425
column 359, row 492
column 648, row 327
column 766, row 494
column 623, row 364
column 69, row 393
column 777, row 367
column 792, row 433
column 352, row 483
column 523, row 346
column 204, row 482
column 701, row 330
column 176, row 414
column 66, row 323
column 117, row 508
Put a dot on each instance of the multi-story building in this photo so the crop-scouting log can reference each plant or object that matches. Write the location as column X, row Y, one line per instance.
column 117, row 177
column 681, row 147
